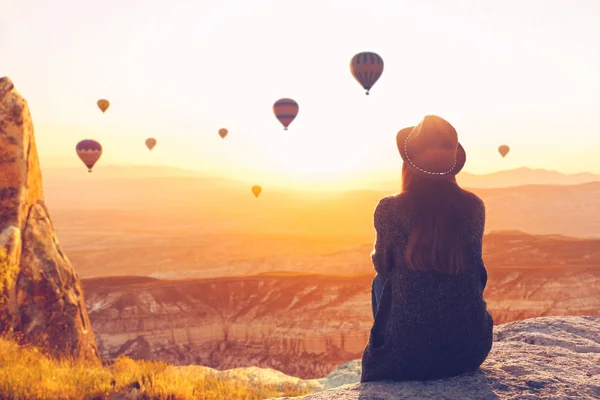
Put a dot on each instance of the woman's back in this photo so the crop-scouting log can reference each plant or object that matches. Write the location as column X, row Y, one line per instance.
column 429, row 324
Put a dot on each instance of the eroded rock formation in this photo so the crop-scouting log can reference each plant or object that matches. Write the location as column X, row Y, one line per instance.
column 302, row 325
column 42, row 303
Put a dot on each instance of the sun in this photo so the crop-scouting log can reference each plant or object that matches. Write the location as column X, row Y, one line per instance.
column 316, row 161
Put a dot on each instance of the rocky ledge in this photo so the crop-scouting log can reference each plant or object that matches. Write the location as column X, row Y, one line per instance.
column 538, row 358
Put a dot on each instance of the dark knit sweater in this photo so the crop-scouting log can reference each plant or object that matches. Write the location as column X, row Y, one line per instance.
column 428, row 324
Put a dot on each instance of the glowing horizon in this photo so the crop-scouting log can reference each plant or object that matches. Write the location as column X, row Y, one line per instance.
column 511, row 74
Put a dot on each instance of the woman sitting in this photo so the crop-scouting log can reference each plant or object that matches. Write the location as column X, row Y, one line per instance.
column 431, row 320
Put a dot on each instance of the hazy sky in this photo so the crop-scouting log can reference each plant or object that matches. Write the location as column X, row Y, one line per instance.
column 520, row 72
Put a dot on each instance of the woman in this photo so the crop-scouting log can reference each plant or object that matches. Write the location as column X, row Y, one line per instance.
column 431, row 320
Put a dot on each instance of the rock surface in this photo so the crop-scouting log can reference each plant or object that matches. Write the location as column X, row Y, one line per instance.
column 44, row 303
column 538, row 358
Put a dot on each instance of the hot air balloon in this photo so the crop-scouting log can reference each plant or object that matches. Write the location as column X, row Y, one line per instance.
column 223, row 132
column 89, row 151
column 256, row 190
column 285, row 110
column 150, row 143
column 503, row 150
column 366, row 67
column 103, row 104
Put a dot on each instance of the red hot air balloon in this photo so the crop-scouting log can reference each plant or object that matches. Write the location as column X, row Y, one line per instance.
column 366, row 67
column 503, row 150
column 89, row 151
column 103, row 104
column 150, row 143
column 285, row 110
column 223, row 132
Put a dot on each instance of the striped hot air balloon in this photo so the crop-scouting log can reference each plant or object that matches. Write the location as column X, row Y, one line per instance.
column 285, row 110
column 366, row 67
column 89, row 151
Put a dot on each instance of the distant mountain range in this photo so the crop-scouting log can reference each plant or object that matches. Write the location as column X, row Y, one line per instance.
column 524, row 176
column 379, row 181
column 508, row 178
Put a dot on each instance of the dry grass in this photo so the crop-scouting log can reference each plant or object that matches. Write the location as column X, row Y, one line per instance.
column 26, row 373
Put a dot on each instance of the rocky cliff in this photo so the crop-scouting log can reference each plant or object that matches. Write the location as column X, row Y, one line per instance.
column 539, row 358
column 302, row 325
column 42, row 298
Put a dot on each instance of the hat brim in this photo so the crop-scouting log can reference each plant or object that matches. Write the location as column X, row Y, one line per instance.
column 461, row 156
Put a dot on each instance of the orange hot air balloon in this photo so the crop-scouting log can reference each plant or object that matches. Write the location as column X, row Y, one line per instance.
column 89, row 151
column 103, row 104
column 366, row 67
column 150, row 143
column 503, row 150
column 285, row 110
column 223, row 132
column 256, row 190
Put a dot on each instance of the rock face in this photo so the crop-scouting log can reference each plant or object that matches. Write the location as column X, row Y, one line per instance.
column 43, row 302
column 538, row 358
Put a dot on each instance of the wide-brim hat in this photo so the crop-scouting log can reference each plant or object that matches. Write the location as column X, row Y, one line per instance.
column 431, row 148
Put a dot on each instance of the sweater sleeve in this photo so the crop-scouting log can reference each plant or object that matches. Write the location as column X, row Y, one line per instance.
column 382, row 254
column 479, row 244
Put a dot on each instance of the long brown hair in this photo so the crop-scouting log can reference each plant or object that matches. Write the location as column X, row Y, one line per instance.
column 436, row 239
